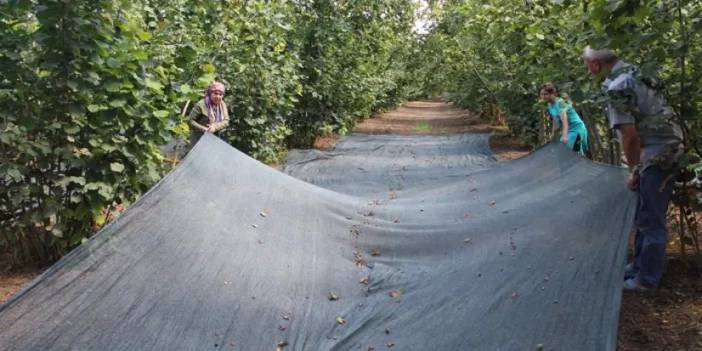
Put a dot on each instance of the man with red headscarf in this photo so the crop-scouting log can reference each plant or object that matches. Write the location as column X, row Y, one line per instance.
column 209, row 114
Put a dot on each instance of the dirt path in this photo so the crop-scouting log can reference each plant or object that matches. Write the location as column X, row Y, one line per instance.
column 12, row 279
column 438, row 117
column 12, row 282
column 424, row 117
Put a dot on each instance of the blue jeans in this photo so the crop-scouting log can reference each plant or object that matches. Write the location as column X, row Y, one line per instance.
column 651, row 232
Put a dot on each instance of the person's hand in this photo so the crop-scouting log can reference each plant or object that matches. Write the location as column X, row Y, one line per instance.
column 633, row 182
column 211, row 129
column 564, row 139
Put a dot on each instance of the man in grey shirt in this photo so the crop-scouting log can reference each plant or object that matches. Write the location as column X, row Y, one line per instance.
column 652, row 143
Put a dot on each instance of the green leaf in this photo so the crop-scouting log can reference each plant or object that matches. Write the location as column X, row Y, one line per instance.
column 153, row 84
column 141, row 55
column 94, row 142
column 161, row 113
column 15, row 174
column 64, row 182
column 106, row 192
column 208, row 68
column 144, row 35
column 72, row 129
column 94, row 108
column 94, row 77
column 76, row 198
column 113, row 62
column 113, row 86
column 117, row 103
column 117, row 167
column 205, row 80
column 57, row 232
column 73, row 85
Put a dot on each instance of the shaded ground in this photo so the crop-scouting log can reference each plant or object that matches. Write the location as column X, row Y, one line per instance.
column 668, row 319
column 12, row 279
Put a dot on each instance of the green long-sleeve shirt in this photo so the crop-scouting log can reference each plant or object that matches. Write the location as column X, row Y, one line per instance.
column 200, row 120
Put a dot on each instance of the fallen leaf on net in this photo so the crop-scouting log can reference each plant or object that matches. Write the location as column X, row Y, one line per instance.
column 390, row 344
column 281, row 345
column 492, row 203
column 333, row 296
column 355, row 231
column 375, row 252
column 365, row 280
column 395, row 294
column 286, row 317
column 263, row 214
column 340, row 321
column 358, row 260
column 467, row 240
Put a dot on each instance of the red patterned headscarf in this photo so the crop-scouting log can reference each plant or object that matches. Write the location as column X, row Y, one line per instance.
column 214, row 112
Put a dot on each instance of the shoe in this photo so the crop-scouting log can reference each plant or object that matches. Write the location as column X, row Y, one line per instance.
column 634, row 285
column 630, row 271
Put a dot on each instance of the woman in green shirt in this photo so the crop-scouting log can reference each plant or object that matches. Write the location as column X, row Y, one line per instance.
column 210, row 114
column 563, row 115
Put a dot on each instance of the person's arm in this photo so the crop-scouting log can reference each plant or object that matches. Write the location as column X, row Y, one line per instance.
column 225, row 119
column 622, row 100
column 631, row 145
column 554, row 127
column 194, row 113
column 564, row 129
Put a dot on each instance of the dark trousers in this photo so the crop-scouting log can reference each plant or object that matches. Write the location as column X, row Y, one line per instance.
column 651, row 232
column 577, row 144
